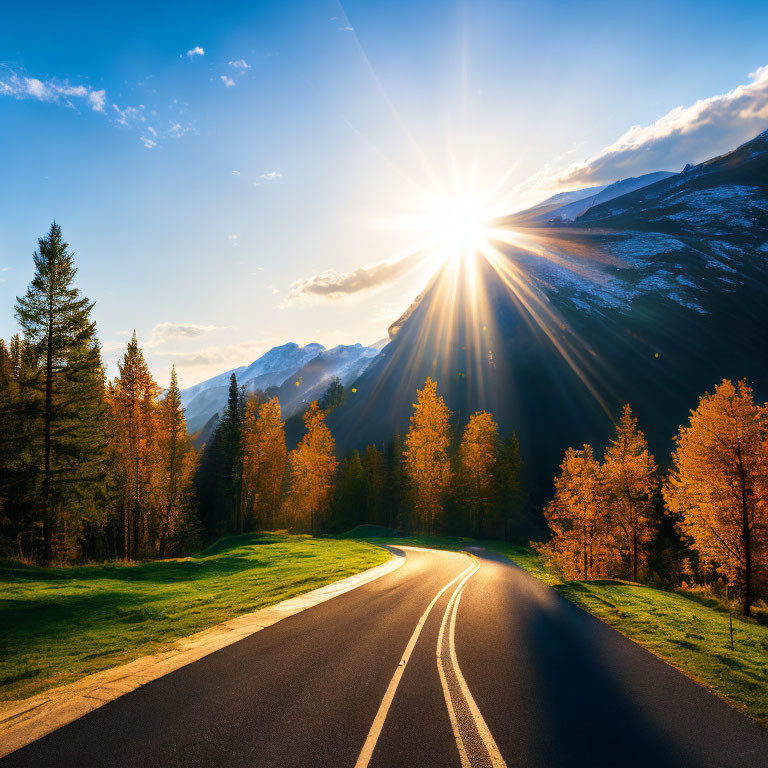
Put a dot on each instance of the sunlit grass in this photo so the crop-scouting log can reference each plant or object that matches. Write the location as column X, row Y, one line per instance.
column 59, row 624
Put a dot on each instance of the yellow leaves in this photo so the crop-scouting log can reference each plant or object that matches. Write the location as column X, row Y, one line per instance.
column 313, row 466
column 426, row 454
column 718, row 481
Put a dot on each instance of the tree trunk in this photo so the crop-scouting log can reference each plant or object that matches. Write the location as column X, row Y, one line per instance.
column 745, row 532
column 634, row 555
column 47, row 419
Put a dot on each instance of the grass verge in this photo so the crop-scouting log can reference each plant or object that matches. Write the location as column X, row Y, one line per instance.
column 60, row 624
column 679, row 628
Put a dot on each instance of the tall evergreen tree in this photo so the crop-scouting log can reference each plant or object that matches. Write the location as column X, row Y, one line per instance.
column 57, row 326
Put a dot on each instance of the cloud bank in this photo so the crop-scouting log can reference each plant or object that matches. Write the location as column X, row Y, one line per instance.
column 52, row 91
column 332, row 285
column 685, row 134
column 167, row 331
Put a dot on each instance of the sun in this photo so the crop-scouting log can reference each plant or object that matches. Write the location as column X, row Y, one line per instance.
column 459, row 225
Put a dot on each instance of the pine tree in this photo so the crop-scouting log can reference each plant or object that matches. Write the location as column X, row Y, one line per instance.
column 630, row 475
column 426, row 455
column 374, row 473
column 350, row 496
column 312, row 468
column 478, row 454
column 61, row 336
column 508, row 485
column 334, row 396
column 133, row 398
column 177, row 467
column 717, row 484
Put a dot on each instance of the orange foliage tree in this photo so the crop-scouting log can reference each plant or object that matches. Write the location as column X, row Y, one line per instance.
column 426, row 464
column 312, row 468
column 717, row 484
column 478, row 454
column 576, row 516
column 264, row 458
column 630, row 480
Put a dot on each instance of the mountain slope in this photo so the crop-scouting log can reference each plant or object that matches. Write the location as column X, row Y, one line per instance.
column 650, row 298
column 313, row 366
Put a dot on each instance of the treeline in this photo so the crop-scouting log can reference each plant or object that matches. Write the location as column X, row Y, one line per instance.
column 606, row 517
column 93, row 468
column 88, row 467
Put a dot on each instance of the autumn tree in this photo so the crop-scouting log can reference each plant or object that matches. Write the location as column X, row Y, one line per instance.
column 427, row 465
column 716, row 485
column 67, row 418
column 576, row 518
column 312, row 468
column 478, row 454
column 264, row 459
column 134, row 417
column 629, row 471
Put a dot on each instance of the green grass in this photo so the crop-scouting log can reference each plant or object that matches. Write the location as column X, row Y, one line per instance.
column 59, row 624
column 376, row 534
column 686, row 630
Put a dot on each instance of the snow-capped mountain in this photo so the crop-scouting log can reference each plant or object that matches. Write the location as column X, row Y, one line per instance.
column 313, row 366
column 651, row 298
column 568, row 206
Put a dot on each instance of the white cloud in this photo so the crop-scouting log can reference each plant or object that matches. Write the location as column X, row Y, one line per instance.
column 269, row 176
column 331, row 285
column 685, row 134
column 228, row 81
column 148, row 143
column 233, row 239
column 129, row 114
column 241, row 64
column 22, row 87
column 221, row 357
column 235, row 173
column 274, row 290
column 346, row 29
column 167, row 331
column 196, row 51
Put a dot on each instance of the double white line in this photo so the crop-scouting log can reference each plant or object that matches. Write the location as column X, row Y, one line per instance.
column 462, row 710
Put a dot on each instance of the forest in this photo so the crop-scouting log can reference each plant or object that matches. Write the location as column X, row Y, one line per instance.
column 93, row 468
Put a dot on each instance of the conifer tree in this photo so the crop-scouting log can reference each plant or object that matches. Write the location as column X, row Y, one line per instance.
column 350, row 494
column 427, row 465
column 717, row 483
column 133, row 395
column 508, row 485
column 630, row 476
column 178, row 464
column 68, row 417
column 375, row 479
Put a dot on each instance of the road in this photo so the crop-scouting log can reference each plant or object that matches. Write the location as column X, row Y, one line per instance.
column 499, row 670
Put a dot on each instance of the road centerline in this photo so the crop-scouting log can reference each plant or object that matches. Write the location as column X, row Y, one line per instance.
column 474, row 740
column 381, row 715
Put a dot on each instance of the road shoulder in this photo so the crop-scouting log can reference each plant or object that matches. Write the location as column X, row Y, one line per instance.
column 25, row 721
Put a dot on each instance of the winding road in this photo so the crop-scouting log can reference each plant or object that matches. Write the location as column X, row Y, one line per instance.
column 449, row 661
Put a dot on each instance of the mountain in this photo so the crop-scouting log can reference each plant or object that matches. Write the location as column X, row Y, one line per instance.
column 562, row 209
column 312, row 366
column 652, row 298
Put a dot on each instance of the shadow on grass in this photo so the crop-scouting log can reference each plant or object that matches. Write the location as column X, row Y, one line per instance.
column 226, row 556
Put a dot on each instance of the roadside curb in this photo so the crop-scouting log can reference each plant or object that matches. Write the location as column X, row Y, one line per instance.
column 25, row 721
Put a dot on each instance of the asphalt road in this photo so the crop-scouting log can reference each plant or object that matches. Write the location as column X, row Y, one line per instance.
column 499, row 671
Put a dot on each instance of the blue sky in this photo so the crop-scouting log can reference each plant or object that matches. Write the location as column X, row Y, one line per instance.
column 228, row 173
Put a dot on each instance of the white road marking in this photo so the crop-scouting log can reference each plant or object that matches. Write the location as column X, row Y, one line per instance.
column 450, row 666
column 381, row 715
